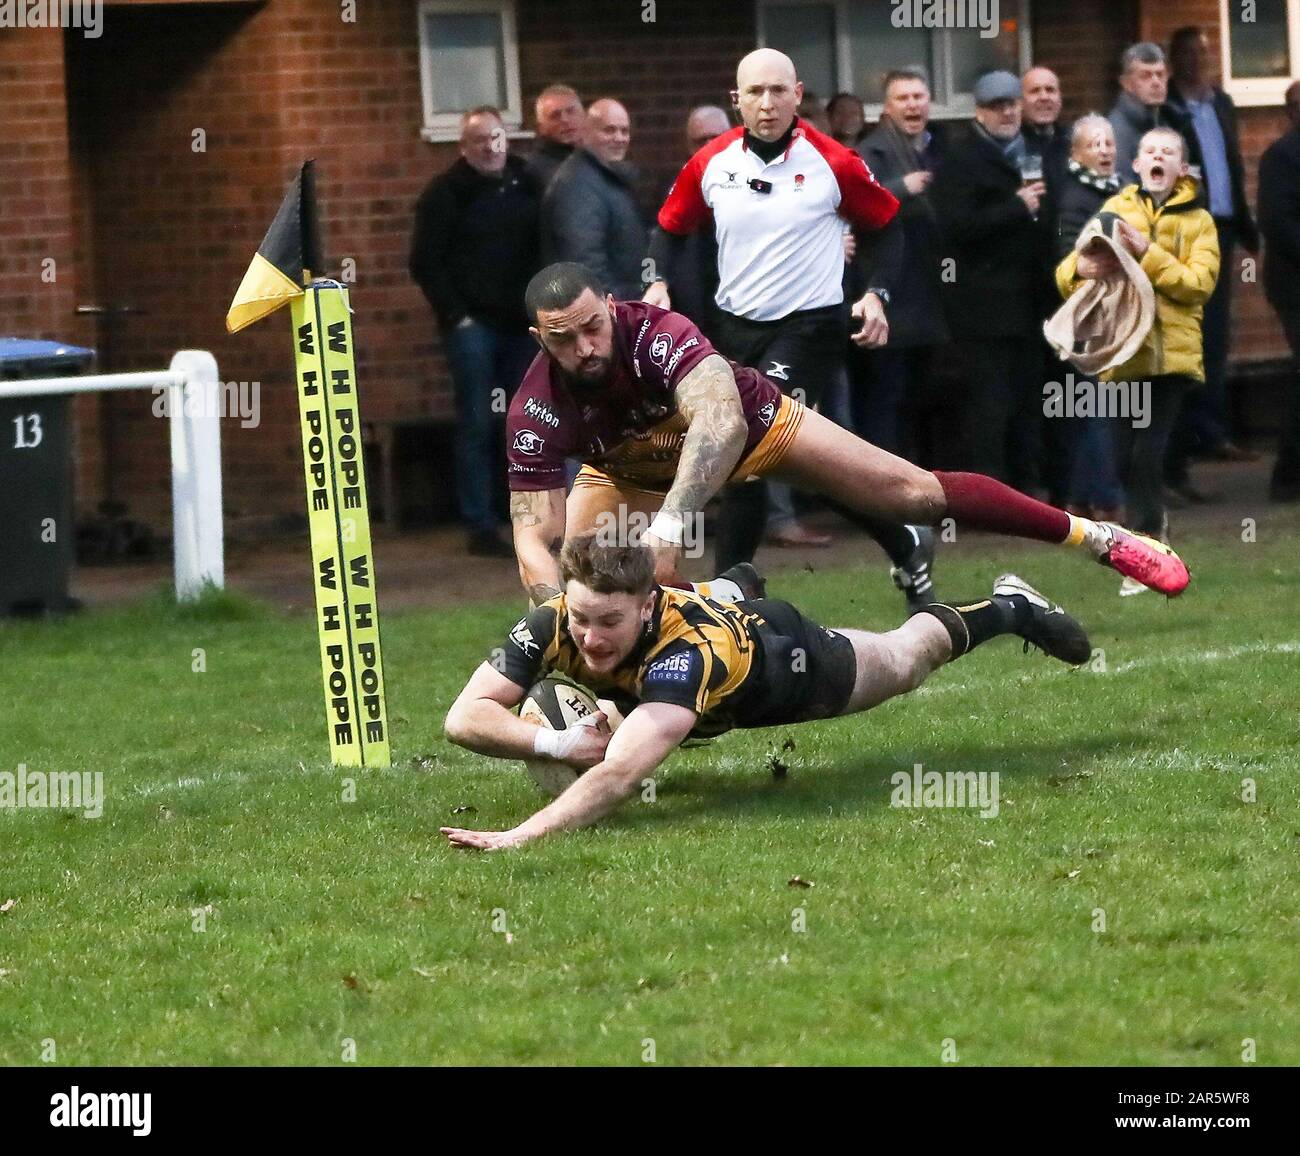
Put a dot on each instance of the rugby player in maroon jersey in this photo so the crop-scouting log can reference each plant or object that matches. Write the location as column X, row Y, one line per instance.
column 662, row 422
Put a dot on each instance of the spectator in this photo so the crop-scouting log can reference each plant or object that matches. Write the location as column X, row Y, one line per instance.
column 1279, row 220
column 778, row 193
column 1047, row 141
column 813, row 111
column 1091, row 178
column 696, row 281
column 589, row 213
column 847, row 120
column 473, row 251
column 904, row 155
column 1211, row 116
column 560, row 121
column 1178, row 247
column 705, row 123
column 993, row 300
column 1093, row 489
column 1141, row 106
column 1045, row 135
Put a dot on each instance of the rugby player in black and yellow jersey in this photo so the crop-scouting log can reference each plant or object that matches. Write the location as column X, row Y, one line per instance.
column 677, row 665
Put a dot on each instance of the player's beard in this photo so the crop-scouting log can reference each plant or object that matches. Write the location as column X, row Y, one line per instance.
column 593, row 380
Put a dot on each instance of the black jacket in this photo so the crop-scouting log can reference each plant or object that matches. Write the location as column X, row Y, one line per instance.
column 996, row 284
column 546, row 160
column 1081, row 198
column 1279, row 221
column 475, row 247
column 1226, row 111
column 915, row 310
column 590, row 215
column 1054, row 148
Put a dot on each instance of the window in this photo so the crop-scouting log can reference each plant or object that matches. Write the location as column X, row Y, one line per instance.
column 850, row 45
column 1261, row 46
column 469, row 55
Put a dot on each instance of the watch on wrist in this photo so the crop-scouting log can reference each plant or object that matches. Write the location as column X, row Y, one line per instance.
column 883, row 294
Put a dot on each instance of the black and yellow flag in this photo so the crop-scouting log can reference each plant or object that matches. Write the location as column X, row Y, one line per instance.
column 287, row 258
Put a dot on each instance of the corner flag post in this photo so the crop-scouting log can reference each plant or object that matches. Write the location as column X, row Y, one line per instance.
column 338, row 512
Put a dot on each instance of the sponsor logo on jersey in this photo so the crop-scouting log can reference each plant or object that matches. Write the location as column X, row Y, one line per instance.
column 677, row 355
column 527, row 442
column 674, row 668
column 798, row 182
column 640, row 336
column 522, row 637
column 778, row 371
column 541, row 411
column 767, row 413
column 659, row 348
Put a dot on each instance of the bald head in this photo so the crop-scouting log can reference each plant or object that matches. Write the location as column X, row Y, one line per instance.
column 609, row 130
column 1042, row 97
column 767, row 92
column 705, row 122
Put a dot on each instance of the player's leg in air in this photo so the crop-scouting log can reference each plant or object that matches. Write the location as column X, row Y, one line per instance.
column 899, row 661
column 826, row 459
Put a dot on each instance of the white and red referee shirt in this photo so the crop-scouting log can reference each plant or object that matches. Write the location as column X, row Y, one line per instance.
column 780, row 251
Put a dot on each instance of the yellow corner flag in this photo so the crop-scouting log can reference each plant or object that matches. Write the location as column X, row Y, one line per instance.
column 286, row 258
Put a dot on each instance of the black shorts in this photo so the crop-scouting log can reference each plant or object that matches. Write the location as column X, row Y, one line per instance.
column 803, row 351
column 808, row 672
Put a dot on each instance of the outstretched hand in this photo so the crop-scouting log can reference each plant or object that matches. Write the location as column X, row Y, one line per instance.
column 480, row 840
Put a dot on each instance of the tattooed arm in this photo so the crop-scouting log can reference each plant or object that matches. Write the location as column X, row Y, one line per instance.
column 538, row 520
column 710, row 401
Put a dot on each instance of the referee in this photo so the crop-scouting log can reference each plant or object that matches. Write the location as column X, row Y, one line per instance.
column 779, row 194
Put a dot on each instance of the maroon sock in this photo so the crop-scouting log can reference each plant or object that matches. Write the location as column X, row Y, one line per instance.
column 979, row 502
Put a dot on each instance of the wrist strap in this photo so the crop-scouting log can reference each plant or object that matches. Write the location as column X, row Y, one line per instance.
column 547, row 742
column 667, row 527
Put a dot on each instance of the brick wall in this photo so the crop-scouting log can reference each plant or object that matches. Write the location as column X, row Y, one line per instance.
column 111, row 186
column 36, row 204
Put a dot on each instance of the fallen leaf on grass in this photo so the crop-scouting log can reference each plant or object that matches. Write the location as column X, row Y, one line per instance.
column 425, row 973
column 7, row 905
column 796, row 881
column 462, row 809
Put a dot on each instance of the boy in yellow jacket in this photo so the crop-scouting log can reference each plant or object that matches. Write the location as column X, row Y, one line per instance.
column 1173, row 237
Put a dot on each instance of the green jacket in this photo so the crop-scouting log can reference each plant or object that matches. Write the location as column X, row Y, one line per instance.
column 1183, row 264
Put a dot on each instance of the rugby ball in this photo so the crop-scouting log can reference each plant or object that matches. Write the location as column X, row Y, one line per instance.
column 555, row 703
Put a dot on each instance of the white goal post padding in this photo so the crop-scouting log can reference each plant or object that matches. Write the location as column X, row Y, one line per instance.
column 194, row 414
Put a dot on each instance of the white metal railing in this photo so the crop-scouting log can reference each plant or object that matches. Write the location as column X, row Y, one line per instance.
column 194, row 414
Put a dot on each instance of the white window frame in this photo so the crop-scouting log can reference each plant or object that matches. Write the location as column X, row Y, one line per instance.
column 960, row 108
column 1261, row 91
column 445, row 126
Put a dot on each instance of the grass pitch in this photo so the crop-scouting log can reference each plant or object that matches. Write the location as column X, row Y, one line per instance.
column 327, row 921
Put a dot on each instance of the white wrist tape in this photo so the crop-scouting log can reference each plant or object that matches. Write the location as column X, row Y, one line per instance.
column 555, row 744
column 667, row 528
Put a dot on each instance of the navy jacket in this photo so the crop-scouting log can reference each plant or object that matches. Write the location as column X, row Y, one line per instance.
column 474, row 247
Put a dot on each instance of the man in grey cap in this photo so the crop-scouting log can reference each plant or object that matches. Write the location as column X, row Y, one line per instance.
column 995, row 245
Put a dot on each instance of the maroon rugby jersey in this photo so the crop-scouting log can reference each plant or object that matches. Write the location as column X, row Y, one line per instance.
column 629, row 427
